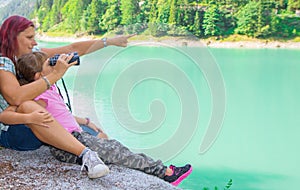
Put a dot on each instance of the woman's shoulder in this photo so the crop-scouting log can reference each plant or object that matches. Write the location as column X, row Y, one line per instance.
column 5, row 60
column 6, row 64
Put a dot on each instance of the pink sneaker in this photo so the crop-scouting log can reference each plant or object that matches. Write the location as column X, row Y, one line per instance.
column 179, row 174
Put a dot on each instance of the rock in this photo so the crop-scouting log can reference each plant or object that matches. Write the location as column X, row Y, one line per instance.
column 29, row 170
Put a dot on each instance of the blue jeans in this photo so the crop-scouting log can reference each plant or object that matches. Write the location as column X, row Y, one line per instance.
column 19, row 137
column 89, row 130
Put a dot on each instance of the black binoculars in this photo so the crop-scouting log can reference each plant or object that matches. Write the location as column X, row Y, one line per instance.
column 53, row 60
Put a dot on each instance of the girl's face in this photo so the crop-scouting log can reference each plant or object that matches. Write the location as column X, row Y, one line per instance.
column 46, row 68
column 26, row 41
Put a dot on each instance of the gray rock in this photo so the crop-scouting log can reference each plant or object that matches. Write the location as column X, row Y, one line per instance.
column 40, row 170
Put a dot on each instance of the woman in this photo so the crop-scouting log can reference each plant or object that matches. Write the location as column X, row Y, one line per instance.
column 17, row 38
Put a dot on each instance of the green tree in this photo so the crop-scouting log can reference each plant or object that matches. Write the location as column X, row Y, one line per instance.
column 293, row 5
column 153, row 11
column 282, row 4
column 173, row 12
column 211, row 19
column 247, row 19
column 129, row 9
column 255, row 19
column 43, row 19
column 71, row 14
column 96, row 10
column 265, row 18
column 55, row 16
column 111, row 18
column 145, row 12
column 196, row 28
column 163, row 11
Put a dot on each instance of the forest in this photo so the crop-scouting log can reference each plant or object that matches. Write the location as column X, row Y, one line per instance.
column 203, row 18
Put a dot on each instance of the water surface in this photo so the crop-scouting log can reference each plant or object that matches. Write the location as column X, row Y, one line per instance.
column 257, row 146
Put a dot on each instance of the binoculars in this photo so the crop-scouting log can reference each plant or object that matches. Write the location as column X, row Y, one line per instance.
column 53, row 60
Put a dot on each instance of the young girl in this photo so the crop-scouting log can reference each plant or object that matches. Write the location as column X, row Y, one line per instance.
column 33, row 66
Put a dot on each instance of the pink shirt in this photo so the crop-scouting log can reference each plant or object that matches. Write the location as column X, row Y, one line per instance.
column 57, row 107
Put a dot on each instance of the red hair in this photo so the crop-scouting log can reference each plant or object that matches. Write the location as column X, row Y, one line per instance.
column 9, row 31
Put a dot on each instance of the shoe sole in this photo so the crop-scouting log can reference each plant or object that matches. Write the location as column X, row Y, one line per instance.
column 99, row 174
column 182, row 177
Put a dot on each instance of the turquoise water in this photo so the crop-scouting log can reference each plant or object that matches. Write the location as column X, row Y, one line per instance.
column 161, row 101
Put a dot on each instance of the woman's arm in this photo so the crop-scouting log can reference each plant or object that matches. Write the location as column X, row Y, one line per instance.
column 15, row 94
column 89, row 46
column 10, row 117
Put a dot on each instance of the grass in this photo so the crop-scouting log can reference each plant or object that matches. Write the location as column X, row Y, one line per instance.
column 227, row 186
column 237, row 38
column 59, row 34
column 297, row 39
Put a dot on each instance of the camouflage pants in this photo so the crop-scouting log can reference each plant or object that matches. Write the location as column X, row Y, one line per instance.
column 112, row 152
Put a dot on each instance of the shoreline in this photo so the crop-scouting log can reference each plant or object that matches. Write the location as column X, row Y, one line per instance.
column 185, row 42
column 38, row 169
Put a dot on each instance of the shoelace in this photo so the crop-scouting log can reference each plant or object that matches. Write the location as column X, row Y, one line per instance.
column 92, row 158
column 176, row 171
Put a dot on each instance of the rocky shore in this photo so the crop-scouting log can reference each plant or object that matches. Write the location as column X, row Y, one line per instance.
column 31, row 170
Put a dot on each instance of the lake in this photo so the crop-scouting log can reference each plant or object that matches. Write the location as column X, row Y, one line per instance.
column 231, row 113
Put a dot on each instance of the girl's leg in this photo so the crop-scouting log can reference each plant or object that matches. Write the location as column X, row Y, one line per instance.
column 113, row 152
column 55, row 135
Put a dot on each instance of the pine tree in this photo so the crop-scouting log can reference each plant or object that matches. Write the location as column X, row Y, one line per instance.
column 71, row 13
column 96, row 12
column 45, row 7
column 153, row 11
column 173, row 12
column 293, row 5
column 196, row 27
column 129, row 9
column 247, row 19
column 211, row 18
column 111, row 18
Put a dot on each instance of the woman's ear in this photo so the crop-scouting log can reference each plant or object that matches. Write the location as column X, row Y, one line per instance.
column 37, row 75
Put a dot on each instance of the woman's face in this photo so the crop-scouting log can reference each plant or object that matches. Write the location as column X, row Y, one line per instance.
column 26, row 41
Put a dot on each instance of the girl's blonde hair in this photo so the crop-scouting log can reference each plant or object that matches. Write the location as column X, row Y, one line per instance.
column 28, row 65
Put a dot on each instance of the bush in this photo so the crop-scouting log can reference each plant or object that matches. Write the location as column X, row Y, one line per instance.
column 287, row 26
column 158, row 30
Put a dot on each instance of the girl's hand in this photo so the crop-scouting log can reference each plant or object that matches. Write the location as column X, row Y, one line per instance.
column 63, row 64
column 40, row 117
column 101, row 132
column 94, row 127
